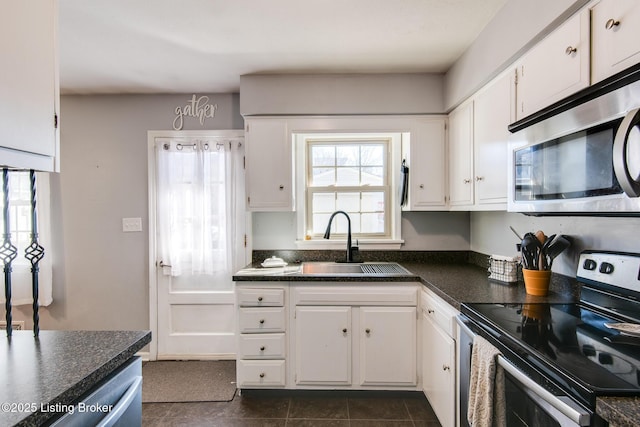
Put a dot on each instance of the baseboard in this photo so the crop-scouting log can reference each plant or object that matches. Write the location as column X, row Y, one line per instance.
column 144, row 355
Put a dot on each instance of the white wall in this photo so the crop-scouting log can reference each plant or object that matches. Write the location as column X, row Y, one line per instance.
column 421, row 231
column 100, row 273
column 490, row 234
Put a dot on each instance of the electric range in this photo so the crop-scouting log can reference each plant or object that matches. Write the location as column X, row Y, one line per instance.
column 573, row 351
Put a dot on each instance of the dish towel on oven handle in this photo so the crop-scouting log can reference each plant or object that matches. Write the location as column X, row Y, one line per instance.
column 486, row 386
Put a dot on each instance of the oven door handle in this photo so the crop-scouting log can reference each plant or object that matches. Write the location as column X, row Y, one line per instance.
column 566, row 406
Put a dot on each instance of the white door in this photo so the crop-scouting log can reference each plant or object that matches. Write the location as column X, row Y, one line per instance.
column 197, row 228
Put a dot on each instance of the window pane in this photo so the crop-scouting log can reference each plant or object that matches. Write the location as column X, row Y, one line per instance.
column 348, row 202
column 347, row 155
column 323, row 203
column 373, row 202
column 320, row 222
column 323, row 177
column 372, row 155
column 372, row 176
column 340, row 224
column 372, row 222
column 348, row 176
column 322, row 155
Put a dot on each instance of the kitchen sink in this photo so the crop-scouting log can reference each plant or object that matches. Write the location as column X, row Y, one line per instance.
column 353, row 269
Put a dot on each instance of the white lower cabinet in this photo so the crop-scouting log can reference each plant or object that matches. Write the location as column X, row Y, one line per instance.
column 387, row 338
column 328, row 336
column 439, row 357
column 323, row 345
column 359, row 337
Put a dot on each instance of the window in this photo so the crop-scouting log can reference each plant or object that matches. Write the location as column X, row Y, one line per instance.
column 350, row 172
column 350, row 176
column 20, row 226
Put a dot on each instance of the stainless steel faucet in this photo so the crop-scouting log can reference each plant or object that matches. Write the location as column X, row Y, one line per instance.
column 350, row 249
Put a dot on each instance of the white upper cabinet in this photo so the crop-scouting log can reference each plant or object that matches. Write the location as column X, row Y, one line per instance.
column 268, row 165
column 493, row 111
column 461, row 157
column 29, row 100
column 556, row 67
column 616, row 31
column 426, row 158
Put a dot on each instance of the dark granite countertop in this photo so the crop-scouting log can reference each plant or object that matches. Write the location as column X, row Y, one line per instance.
column 57, row 368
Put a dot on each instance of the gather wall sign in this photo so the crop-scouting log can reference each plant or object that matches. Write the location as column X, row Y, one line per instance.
column 198, row 107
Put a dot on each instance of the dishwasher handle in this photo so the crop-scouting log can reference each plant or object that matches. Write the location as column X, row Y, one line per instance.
column 123, row 404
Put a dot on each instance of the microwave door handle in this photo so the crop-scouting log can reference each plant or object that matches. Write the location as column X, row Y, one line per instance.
column 629, row 184
column 568, row 408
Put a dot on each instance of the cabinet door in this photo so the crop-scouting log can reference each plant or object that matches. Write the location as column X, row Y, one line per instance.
column 28, row 84
column 388, row 346
column 461, row 156
column 438, row 371
column 556, row 67
column 426, row 161
column 492, row 114
column 616, row 30
column 268, row 165
column 323, row 345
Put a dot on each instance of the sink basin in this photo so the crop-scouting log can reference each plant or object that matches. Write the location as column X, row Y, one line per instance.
column 352, row 269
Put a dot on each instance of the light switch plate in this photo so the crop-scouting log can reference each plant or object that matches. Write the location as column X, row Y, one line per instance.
column 131, row 224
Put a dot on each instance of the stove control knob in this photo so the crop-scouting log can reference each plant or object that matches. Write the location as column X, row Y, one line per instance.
column 589, row 264
column 606, row 268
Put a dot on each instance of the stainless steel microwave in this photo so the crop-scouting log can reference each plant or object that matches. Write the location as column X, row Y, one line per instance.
column 581, row 159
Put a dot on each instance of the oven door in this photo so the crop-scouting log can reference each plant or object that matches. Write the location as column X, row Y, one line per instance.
column 527, row 402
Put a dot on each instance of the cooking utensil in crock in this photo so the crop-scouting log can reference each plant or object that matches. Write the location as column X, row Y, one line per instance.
column 556, row 247
column 530, row 251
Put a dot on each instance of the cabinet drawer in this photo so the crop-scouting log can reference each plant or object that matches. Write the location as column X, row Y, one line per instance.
column 262, row 346
column 260, row 297
column 440, row 313
column 260, row 373
column 256, row 320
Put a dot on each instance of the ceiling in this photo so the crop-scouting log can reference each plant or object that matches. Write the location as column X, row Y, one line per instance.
column 169, row 46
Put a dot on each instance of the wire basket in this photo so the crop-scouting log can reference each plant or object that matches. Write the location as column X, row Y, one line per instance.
column 504, row 269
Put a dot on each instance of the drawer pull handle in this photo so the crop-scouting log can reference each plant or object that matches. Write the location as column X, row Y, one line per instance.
column 430, row 311
column 344, row 330
column 570, row 50
column 466, row 181
column 611, row 23
column 445, row 368
column 262, row 321
column 259, row 299
column 261, row 374
column 262, row 348
column 368, row 331
column 281, row 187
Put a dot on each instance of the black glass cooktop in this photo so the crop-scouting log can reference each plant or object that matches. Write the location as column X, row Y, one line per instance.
column 568, row 339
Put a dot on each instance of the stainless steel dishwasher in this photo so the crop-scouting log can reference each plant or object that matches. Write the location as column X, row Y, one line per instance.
column 116, row 401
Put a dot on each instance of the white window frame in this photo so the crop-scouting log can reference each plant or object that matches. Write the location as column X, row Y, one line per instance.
column 304, row 239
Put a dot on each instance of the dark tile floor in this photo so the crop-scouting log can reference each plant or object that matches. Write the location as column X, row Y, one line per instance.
column 298, row 409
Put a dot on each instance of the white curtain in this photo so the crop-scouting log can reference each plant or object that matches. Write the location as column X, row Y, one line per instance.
column 200, row 206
